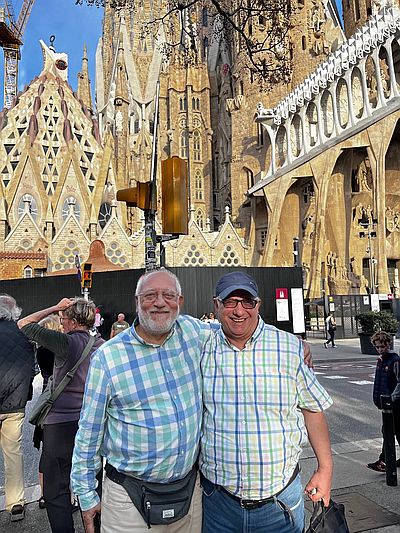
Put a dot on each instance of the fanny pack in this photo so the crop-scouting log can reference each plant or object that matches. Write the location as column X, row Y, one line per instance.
column 158, row 503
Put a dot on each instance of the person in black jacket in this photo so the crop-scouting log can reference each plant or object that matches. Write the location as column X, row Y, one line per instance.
column 17, row 370
column 386, row 383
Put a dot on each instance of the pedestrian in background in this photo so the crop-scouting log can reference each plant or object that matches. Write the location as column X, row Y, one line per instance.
column 17, row 370
column 330, row 326
column 119, row 325
column 386, row 383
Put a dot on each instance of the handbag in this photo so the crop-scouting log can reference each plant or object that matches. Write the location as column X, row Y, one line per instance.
column 331, row 519
column 158, row 503
column 46, row 400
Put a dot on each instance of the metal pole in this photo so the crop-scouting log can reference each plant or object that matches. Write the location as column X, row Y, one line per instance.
column 388, row 441
column 150, row 214
column 86, row 294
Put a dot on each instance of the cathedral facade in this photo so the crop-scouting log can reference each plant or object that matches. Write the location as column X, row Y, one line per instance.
column 65, row 157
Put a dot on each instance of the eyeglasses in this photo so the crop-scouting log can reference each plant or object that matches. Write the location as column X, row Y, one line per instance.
column 151, row 296
column 247, row 303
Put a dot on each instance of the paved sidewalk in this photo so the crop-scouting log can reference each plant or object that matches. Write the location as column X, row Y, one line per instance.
column 371, row 506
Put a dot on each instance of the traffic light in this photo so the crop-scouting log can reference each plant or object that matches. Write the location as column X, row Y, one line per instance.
column 87, row 276
column 139, row 196
column 174, row 173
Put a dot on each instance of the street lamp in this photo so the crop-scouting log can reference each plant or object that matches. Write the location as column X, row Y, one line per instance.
column 369, row 225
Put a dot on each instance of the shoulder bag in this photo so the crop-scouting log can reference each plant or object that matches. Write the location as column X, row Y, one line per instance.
column 330, row 519
column 46, row 400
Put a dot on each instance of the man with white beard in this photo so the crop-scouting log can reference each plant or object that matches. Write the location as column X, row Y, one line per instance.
column 142, row 413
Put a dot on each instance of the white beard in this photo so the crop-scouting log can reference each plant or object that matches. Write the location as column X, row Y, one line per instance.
column 152, row 326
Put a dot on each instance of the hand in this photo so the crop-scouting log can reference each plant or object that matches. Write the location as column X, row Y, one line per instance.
column 64, row 304
column 319, row 486
column 308, row 355
column 89, row 516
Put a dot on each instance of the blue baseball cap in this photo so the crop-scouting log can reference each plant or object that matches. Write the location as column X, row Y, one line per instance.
column 235, row 281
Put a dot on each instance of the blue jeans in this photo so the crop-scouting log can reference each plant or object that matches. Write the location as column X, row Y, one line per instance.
column 222, row 514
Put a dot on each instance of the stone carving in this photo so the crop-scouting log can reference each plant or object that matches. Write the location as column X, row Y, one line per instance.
column 392, row 220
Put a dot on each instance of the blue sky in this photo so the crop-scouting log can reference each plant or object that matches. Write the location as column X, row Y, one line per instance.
column 72, row 25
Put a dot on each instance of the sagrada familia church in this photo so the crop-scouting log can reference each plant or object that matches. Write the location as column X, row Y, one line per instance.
column 311, row 162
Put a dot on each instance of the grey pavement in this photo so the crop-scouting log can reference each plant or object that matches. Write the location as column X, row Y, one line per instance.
column 371, row 506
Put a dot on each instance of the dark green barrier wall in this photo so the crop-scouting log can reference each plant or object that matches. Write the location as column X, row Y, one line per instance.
column 114, row 291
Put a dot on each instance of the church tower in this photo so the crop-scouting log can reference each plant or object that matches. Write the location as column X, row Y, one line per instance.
column 130, row 62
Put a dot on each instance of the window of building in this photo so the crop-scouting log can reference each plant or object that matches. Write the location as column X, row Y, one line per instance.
column 260, row 135
column 303, row 42
column 28, row 202
column 183, row 144
column 39, row 272
column 356, row 7
column 196, row 104
column 70, row 205
column 200, row 219
column 28, row 272
column 204, row 17
column 183, row 103
column 197, row 146
column 199, row 185
column 250, row 178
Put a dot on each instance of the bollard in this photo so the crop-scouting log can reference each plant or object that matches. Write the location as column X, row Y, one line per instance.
column 388, row 441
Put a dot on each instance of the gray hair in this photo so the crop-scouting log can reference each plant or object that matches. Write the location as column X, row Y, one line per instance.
column 84, row 312
column 9, row 309
column 148, row 275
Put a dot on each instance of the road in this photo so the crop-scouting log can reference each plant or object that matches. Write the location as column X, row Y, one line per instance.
column 353, row 416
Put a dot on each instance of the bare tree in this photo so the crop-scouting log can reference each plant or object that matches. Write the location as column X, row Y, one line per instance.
column 253, row 32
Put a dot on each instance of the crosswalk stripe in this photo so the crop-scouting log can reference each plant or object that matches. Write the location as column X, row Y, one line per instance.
column 363, row 382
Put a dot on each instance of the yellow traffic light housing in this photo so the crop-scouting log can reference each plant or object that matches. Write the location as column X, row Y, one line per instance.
column 139, row 196
column 87, row 276
column 174, row 173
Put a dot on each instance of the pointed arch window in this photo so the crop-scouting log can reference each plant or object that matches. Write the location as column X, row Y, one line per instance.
column 200, row 219
column 183, row 144
column 196, row 146
column 199, row 185
column 182, row 103
column 70, row 206
column 28, row 204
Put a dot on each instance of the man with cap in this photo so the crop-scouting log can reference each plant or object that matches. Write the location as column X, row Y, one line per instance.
column 260, row 401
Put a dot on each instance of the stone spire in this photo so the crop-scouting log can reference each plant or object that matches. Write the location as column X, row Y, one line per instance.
column 84, row 83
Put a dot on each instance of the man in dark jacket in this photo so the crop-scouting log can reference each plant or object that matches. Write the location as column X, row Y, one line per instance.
column 77, row 316
column 16, row 375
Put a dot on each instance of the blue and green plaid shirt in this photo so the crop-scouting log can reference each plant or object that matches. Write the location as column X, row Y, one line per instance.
column 142, row 408
column 252, row 425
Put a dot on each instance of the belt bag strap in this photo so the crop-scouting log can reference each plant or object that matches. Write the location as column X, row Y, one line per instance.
column 69, row 375
column 158, row 503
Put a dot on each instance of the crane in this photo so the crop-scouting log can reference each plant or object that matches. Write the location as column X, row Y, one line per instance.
column 11, row 32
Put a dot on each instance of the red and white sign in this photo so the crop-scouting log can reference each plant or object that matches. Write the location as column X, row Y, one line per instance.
column 282, row 305
column 281, row 294
column 390, row 296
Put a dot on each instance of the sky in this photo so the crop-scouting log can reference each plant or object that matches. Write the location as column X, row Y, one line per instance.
column 72, row 25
